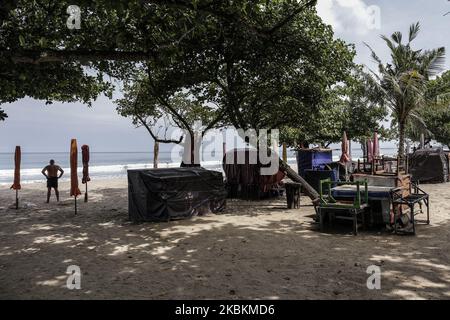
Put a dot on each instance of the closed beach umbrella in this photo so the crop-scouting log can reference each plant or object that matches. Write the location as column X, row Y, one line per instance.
column 86, row 178
column 345, row 157
column 369, row 150
column 376, row 145
column 224, row 149
column 74, row 191
column 284, row 152
column 16, row 185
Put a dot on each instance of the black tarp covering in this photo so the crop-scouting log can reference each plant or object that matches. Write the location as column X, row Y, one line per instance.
column 429, row 165
column 175, row 193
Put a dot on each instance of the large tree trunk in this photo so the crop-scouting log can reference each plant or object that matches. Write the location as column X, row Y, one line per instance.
column 155, row 154
column 191, row 152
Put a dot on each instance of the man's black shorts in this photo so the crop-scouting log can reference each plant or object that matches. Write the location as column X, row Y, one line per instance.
column 52, row 182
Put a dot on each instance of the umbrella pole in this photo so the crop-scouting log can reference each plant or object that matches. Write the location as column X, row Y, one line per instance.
column 75, row 205
column 17, row 199
column 86, row 194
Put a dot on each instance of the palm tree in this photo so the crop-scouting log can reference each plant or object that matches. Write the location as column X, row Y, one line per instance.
column 403, row 82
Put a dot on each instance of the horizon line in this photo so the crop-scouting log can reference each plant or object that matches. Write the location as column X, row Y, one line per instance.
column 150, row 151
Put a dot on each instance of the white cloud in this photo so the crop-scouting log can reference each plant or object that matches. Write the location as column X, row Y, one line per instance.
column 349, row 16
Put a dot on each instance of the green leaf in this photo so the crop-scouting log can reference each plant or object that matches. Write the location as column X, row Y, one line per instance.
column 42, row 42
column 21, row 40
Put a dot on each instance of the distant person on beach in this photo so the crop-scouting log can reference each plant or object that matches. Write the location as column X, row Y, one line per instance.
column 51, row 173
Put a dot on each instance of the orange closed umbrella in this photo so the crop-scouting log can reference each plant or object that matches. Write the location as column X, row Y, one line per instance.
column 369, row 150
column 74, row 191
column 284, row 152
column 345, row 156
column 16, row 185
column 85, row 159
column 376, row 145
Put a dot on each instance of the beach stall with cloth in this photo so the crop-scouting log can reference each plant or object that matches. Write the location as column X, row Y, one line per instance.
column 243, row 176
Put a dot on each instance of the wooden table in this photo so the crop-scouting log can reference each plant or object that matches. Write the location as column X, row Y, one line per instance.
column 376, row 193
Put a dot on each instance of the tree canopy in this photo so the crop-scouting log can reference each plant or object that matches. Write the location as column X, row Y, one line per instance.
column 260, row 80
column 250, row 57
column 27, row 30
column 436, row 115
column 262, row 64
column 353, row 107
column 146, row 110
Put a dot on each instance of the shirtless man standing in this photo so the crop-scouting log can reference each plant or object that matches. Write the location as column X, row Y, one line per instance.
column 51, row 173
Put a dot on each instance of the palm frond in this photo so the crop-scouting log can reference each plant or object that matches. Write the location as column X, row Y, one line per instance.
column 413, row 31
column 433, row 61
column 397, row 37
column 373, row 54
column 3, row 115
column 417, row 126
column 389, row 43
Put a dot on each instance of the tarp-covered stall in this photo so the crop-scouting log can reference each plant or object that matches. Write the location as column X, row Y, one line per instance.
column 175, row 193
column 429, row 165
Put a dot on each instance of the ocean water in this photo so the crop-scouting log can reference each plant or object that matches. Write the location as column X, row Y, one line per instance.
column 102, row 165
column 106, row 165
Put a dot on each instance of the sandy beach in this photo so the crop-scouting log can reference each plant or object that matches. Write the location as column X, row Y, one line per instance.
column 254, row 250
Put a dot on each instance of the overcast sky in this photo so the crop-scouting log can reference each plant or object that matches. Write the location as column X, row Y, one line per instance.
column 40, row 128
